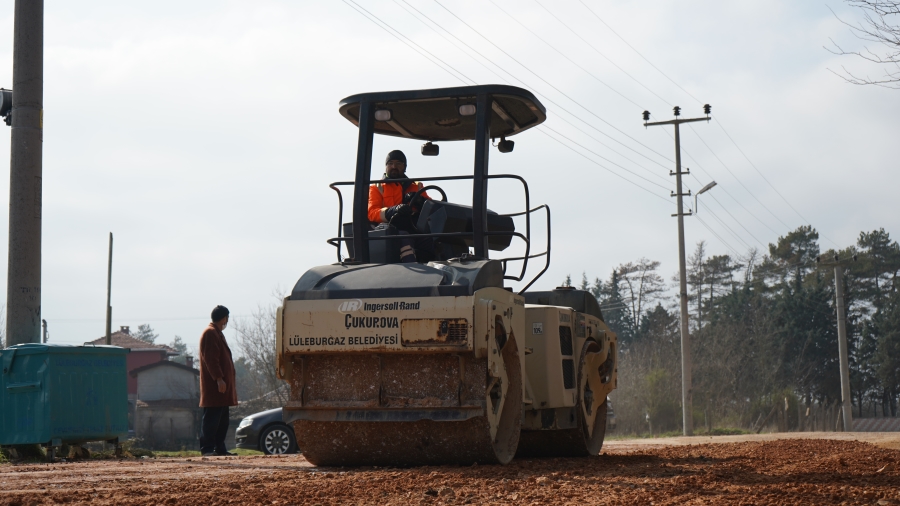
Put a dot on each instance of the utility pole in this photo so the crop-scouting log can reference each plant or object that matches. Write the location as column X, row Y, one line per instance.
column 687, row 402
column 843, row 353
column 23, row 282
column 109, row 294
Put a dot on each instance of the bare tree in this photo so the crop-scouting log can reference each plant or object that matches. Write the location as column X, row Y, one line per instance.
column 644, row 285
column 879, row 25
column 256, row 343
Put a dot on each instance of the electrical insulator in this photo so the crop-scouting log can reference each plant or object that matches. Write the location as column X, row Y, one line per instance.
column 646, row 115
column 677, row 110
column 706, row 109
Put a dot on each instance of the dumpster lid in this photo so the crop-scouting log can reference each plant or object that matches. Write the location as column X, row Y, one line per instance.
column 35, row 348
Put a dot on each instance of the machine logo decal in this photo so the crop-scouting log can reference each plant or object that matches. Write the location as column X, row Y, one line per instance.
column 537, row 328
column 349, row 306
column 391, row 306
column 371, row 322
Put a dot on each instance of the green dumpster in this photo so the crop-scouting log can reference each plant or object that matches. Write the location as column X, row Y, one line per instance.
column 55, row 394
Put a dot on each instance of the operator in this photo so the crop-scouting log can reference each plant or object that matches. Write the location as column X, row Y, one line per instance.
column 394, row 203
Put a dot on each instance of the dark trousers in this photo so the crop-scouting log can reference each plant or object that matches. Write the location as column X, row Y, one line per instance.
column 213, row 429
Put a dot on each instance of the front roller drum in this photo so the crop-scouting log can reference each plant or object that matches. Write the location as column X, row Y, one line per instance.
column 427, row 442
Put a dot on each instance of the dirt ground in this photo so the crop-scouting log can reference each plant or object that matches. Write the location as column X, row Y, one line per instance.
column 806, row 468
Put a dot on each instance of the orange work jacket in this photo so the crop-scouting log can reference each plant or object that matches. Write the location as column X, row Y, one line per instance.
column 384, row 195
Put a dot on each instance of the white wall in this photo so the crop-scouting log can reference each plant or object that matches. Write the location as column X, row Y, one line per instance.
column 167, row 383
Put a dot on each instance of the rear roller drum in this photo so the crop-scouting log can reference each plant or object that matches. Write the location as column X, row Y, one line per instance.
column 587, row 438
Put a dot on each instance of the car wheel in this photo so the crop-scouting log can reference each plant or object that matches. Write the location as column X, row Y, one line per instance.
column 277, row 440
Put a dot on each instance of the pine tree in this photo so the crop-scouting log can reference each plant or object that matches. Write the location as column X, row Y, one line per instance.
column 145, row 333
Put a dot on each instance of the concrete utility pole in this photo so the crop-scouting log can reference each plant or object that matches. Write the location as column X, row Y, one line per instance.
column 843, row 354
column 23, row 285
column 109, row 294
column 687, row 403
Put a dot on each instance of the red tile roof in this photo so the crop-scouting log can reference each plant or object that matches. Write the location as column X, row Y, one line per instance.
column 123, row 340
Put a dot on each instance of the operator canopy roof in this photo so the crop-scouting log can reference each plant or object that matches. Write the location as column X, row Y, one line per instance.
column 436, row 115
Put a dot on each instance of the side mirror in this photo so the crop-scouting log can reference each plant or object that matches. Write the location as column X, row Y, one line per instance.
column 429, row 149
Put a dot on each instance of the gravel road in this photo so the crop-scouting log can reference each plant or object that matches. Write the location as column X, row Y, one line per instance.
column 855, row 469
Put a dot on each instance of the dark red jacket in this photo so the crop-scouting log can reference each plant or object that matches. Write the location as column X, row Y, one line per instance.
column 215, row 363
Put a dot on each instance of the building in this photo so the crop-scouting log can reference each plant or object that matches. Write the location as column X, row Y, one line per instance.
column 167, row 413
column 142, row 353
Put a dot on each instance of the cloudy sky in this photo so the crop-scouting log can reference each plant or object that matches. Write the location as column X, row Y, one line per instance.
column 204, row 134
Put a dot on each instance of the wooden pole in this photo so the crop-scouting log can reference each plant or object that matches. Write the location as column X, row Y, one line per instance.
column 109, row 293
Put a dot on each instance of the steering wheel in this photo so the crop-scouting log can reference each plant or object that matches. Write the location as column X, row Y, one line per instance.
column 417, row 195
column 430, row 187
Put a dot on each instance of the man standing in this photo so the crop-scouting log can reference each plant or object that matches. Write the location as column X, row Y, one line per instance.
column 217, row 384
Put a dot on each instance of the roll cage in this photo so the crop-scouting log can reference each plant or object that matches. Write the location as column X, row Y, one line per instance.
column 444, row 114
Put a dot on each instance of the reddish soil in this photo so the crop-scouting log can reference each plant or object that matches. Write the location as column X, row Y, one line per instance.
column 787, row 471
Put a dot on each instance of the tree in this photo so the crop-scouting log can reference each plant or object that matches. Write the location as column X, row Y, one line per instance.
column 879, row 25
column 696, row 278
column 179, row 345
column 615, row 309
column 145, row 333
column 256, row 345
column 878, row 265
column 797, row 251
column 643, row 284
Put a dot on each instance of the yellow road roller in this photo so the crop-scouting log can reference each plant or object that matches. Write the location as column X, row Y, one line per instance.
column 393, row 362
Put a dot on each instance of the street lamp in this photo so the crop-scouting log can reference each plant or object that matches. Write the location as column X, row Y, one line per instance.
column 704, row 189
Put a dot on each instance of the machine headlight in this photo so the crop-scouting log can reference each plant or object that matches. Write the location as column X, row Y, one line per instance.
column 245, row 422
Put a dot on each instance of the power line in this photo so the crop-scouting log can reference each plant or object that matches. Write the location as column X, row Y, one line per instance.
column 736, row 201
column 412, row 8
column 598, row 141
column 597, row 163
column 549, row 84
column 726, row 227
column 770, row 183
column 608, row 160
column 739, row 181
column 722, row 126
column 544, row 97
column 723, row 241
column 586, row 71
column 638, row 52
column 582, row 68
column 737, row 221
column 600, row 53
column 163, row 319
column 558, row 133
column 379, row 23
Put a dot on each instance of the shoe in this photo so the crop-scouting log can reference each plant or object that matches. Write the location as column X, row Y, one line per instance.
column 208, row 454
column 223, row 454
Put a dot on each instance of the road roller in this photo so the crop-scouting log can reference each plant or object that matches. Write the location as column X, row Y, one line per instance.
column 440, row 360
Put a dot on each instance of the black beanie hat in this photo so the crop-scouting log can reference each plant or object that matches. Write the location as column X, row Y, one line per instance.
column 218, row 313
column 395, row 155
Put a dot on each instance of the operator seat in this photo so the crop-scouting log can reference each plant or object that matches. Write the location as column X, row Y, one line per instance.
column 437, row 217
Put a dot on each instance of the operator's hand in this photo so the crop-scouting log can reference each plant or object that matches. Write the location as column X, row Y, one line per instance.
column 416, row 201
column 222, row 385
column 399, row 209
